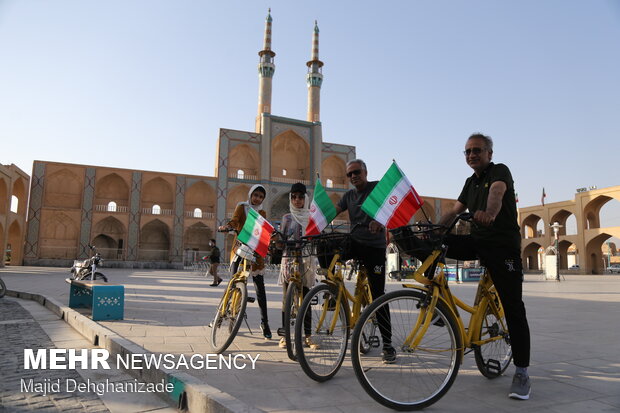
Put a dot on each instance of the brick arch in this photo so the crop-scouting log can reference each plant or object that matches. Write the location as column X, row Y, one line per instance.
column 200, row 195
column 244, row 157
column 15, row 237
column 530, row 256
column 237, row 194
column 290, row 152
column 19, row 191
column 197, row 237
column 63, row 188
column 334, row 168
column 59, row 237
column 529, row 226
column 154, row 241
column 157, row 191
column 561, row 217
column 594, row 254
column 112, row 188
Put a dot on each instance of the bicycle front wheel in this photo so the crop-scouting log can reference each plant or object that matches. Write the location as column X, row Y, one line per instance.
column 291, row 309
column 419, row 376
column 229, row 317
column 493, row 358
column 325, row 322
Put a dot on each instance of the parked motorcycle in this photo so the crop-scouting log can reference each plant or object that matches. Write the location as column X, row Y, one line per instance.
column 84, row 270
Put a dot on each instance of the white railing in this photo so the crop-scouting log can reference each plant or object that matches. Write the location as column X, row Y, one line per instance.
column 206, row 215
column 248, row 177
column 106, row 208
column 289, row 180
column 149, row 211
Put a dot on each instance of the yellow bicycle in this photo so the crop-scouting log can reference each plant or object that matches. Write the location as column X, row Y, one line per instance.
column 427, row 331
column 231, row 310
column 326, row 315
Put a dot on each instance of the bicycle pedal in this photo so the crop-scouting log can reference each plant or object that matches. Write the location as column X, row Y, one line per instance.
column 374, row 341
column 251, row 299
column 493, row 367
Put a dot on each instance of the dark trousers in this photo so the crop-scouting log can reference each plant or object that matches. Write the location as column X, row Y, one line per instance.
column 506, row 270
column 373, row 260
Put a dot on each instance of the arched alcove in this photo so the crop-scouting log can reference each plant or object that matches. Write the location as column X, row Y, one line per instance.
column 154, row 241
column 290, row 152
column 112, row 188
column 244, row 162
column 109, row 238
column 197, row 237
column 531, row 225
column 200, row 196
column 59, row 237
column 334, row 169
column 63, row 189
column 157, row 191
column 531, row 257
column 20, row 193
column 15, row 238
column 236, row 194
column 279, row 207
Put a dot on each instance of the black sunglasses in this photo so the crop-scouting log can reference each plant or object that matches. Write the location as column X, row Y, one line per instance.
column 355, row 172
column 475, row 151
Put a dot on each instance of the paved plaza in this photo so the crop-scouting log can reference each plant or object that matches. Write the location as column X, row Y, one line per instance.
column 575, row 346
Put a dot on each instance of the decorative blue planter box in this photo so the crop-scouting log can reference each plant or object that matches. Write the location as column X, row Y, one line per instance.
column 107, row 301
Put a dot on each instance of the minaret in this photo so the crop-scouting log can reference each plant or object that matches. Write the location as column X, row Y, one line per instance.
column 266, row 67
column 314, row 78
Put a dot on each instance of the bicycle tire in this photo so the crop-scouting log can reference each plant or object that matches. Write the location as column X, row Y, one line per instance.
column 417, row 378
column 2, row 288
column 493, row 358
column 225, row 326
column 323, row 362
column 291, row 309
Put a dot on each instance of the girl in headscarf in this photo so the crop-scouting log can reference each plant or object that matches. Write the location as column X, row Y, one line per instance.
column 256, row 196
column 293, row 227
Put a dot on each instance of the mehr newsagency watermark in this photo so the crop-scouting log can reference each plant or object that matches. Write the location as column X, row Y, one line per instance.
column 95, row 359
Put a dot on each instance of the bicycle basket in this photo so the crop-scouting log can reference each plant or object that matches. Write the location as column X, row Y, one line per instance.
column 325, row 246
column 246, row 252
column 416, row 242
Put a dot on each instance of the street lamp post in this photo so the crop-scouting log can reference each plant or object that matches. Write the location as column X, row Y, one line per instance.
column 556, row 229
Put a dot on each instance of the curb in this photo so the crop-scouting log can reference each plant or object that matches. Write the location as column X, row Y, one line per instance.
column 189, row 394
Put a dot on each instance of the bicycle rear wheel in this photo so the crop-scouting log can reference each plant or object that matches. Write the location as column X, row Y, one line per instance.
column 493, row 358
column 291, row 309
column 419, row 377
column 229, row 317
column 322, row 360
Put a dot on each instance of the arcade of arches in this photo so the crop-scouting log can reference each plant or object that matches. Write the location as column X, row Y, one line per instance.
column 582, row 240
column 13, row 203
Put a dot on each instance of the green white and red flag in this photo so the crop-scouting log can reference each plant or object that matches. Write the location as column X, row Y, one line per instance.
column 256, row 232
column 322, row 210
column 394, row 200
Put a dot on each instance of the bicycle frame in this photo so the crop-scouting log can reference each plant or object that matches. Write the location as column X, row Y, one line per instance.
column 240, row 276
column 359, row 299
column 438, row 289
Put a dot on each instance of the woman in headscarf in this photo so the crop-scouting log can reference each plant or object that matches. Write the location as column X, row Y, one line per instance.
column 256, row 196
column 293, row 227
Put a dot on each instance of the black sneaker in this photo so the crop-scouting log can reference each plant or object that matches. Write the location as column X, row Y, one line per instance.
column 264, row 327
column 521, row 387
column 389, row 355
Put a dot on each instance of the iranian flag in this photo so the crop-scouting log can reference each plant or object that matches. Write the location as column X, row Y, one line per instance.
column 256, row 233
column 393, row 201
column 322, row 210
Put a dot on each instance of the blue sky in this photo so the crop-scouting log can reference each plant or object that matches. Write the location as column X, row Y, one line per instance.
column 105, row 83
